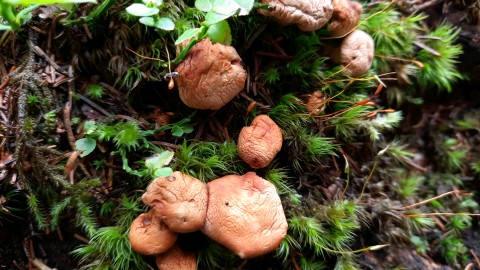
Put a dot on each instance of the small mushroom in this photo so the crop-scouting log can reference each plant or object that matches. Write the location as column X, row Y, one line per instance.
column 260, row 142
column 210, row 76
column 149, row 235
column 346, row 15
column 176, row 258
column 316, row 102
column 245, row 214
column 355, row 53
column 308, row 15
column 179, row 200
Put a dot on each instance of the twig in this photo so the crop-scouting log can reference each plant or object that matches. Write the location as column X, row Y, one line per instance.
column 94, row 105
column 41, row 265
column 441, row 214
column 81, row 238
column 429, row 200
column 475, row 256
column 42, row 54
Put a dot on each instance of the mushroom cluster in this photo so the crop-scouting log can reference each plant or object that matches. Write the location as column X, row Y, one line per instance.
column 210, row 76
column 242, row 212
column 356, row 49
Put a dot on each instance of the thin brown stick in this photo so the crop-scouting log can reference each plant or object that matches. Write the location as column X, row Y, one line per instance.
column 441, row 214
column 429, row 200
column 475, row 256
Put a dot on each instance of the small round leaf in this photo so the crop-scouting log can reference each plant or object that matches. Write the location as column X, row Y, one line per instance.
column 141, row 10
column 86, row 145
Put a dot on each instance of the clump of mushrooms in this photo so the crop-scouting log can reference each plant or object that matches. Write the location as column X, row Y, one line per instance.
column 210, row 76
column 260, row 142
column 308, row 15
column 242, row 212
column 355, row 53
column 245, row 214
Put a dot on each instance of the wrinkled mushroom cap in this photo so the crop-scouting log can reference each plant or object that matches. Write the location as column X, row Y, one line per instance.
column 355, row 53
column 308, row 15
column 260, row 142
column 179, row 200
column 346, row 15
column 210, row 76
column 149, row 235
column 176, row 258
column 245, row 215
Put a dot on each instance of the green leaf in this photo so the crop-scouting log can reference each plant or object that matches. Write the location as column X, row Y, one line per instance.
column 180, row 129
column 46, row 2
column 165, row 24
column 190, row 33
column 231, row 6
column 213, row 17
column 141, row 10
column 220, row 32
column 204, row 5
column 5, row 27
column 162, row 23
column 165, row 171
column 155, row 3
column 89, row 127
column 86, row 145
column 155, row 164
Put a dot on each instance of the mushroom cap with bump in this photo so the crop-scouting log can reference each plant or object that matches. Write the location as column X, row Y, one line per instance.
column 210, row 76
column 308, row 15
column 346, row 15
column 149, row 235
column 176, row 258
column 260, row 142
column 245, row 214
column 355, row 53
column 179, row 200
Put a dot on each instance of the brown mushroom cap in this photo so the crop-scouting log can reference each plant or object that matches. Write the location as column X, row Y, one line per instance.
column 346, row 15
column 309, row 15
column 179, row 200
column 245, row 214
column 355, row 53
column 210, row 76
column 176, row 258
column 149, row 235
column 260, row 142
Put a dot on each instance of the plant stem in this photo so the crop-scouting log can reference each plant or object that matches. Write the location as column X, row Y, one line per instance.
column 369, row 176
column 99, row 11
column 429, row 200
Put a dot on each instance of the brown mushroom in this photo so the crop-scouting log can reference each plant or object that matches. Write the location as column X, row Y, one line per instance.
column 308, row 15
column 149, row 235
column 210, row 76
column 176, row 258
column 355, row 53
column 316, row 102
column 179, row 200
column 245, row 214
column 346, row 15
column 260, row 142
